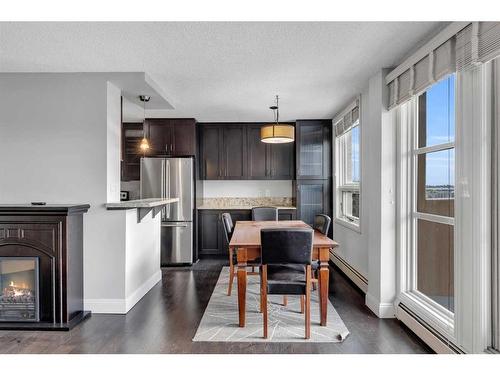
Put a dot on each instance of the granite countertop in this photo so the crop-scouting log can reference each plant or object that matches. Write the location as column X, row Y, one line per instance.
column 140, row 203
column 246, row 203
column 244, row 207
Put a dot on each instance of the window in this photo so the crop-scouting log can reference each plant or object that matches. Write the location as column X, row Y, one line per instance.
column 433, row 214
column 426, row 206
column 348, row 174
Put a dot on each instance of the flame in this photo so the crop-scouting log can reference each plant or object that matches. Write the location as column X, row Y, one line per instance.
column 11, row 283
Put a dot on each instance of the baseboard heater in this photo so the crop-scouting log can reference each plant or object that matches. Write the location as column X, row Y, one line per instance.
column 426, row 333
column 357, row 278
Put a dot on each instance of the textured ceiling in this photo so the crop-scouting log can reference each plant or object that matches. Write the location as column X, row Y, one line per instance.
column 223, row 71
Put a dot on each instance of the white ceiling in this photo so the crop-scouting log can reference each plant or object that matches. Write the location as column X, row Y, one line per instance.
column 223, row 71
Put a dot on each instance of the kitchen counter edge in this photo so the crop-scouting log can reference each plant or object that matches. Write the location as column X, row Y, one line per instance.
column 140, row 203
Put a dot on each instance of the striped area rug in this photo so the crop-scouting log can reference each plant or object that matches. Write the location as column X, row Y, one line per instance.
column 286, row 323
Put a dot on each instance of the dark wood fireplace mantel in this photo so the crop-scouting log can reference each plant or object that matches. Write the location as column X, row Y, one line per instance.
column 53, row 234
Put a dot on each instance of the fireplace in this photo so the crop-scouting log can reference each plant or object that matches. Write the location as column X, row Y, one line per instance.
column 41, row 267
column 19, row 293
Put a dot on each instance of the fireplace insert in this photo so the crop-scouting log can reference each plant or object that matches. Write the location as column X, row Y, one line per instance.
column 19, row 289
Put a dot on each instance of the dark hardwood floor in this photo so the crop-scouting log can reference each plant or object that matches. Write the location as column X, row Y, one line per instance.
column 166, row 319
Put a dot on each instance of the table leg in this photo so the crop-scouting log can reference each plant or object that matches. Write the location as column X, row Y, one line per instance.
column 323, row 291
column 242, row 285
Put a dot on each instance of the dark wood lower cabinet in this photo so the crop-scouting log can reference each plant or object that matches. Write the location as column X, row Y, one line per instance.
column 211, row 238
column 210, row 227
column 287, row 215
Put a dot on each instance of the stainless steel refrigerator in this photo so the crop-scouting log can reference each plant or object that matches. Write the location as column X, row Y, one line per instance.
column 172, row 178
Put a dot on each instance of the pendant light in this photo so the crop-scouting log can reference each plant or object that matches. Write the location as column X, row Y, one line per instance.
column 144, row 146
column 277, row 133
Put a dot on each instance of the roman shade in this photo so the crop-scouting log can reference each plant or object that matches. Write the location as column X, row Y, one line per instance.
column 458, row 47
column 419, row 76
column 478, row 43
column 348, row 118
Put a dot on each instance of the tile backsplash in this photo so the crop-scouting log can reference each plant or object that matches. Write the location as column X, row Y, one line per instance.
column 247, row 188
column 226, row 202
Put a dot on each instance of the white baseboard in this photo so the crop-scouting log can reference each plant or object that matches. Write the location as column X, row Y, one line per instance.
column 356, row 277
column 382, row 310
column 105, row 306
column 122, row 306
column 142, row 290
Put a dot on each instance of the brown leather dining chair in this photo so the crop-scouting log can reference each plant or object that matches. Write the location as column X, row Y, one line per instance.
column 286, row 268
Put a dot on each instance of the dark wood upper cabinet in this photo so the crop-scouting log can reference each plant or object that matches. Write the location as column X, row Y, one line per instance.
column 184, row 137
column 234, row 158
column 258, row 154
column 282, row 161
column 210, row 150
column 313, row 149
column 242, row 155
column 171, row 137
column 159, row 134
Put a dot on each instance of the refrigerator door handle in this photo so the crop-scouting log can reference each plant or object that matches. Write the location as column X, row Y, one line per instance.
column 176, row 225
column 162, row 187
column 167, row 184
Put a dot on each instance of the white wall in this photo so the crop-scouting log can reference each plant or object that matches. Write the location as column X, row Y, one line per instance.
column 372, row 250
column 59, row 143
column 382, row 196
column 142, row 256
column 52, row 139
column 53, row 148
column 113, row 142
column 247, row 189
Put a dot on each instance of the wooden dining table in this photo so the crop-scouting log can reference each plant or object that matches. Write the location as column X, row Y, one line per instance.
column 245, row 242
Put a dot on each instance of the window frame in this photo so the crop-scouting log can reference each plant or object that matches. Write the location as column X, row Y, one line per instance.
column 440, row 318
column 470, row 330
column 436, row 315
column 341, row 186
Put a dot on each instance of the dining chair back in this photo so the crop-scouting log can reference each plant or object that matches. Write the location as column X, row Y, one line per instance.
column 286, row 268
column 264, row 214
column 286, row 245
column 322, row 223
column 227, row 222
